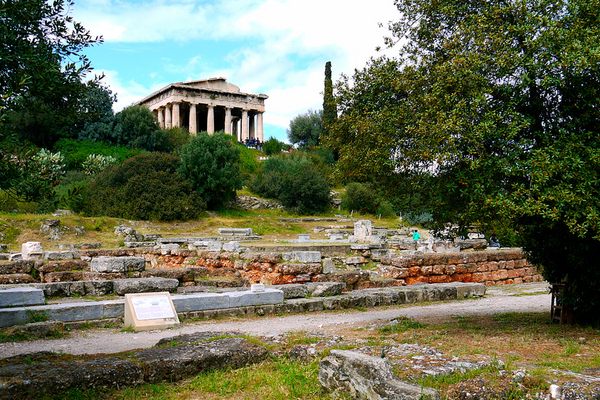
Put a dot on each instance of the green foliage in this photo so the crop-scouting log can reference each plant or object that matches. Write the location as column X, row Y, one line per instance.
column 360, row 197
column 295, row 181
column 212, row 164
column 385, row 209
column 95, row 163
column 273, row 146
column 329, row 105
column 143, row 187
column 135, row 126
column 249, row 163
column 41, row 66
column 305, row 129
column 496, row 102
column 170, row 140
column 77, row 151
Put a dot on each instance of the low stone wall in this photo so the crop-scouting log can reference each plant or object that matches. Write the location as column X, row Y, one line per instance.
column 358, row 266
column 491, row 267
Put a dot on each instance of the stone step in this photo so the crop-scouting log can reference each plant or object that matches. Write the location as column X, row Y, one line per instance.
column 21, row 296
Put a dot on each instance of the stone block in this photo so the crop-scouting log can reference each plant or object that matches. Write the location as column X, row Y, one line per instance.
column 232, row 246
column 98, row 288
column 21, row 296
column 366, row 377
column 16, row 267
column 324, row 289
column 168, row 248
column 9, row 279
column 363, row 229
column 32, row 251
column 61, row 255
column 303, row 256
column 142, row 285
column 249, row 298
column 292, row 291
column 298, row 269
column 63, row 265
column 355, row 260
column 63, row 276
column 200, row 301
column 235, row 231
column 117, row 264
column 328, row 266
column 303, row 238
column 4, row 256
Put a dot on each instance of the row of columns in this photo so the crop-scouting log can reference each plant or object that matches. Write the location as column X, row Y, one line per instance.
column 169, row 116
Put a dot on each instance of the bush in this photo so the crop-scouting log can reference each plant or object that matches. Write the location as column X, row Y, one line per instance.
column 146, row 186
column 273, row 146
column 360, row 197
column 170, row 140
column 295, row 181
column 385, row 209
column 212, row 164
column 77, row 151
column 249, row 164
column 95, row 163
column 136, row 126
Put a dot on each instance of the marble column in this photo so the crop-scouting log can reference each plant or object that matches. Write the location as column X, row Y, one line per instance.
column 245, row 125
column 252, row 126
column 259, row 127
column 227, row 120
column 161, row 117
column 210, row 120
column 175, row 119
column 193, row 123
column 167, row 116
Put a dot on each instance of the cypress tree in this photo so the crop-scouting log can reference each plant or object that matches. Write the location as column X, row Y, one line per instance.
column 329, row 106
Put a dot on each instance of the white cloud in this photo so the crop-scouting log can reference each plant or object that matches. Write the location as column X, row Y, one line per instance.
column 345, row 32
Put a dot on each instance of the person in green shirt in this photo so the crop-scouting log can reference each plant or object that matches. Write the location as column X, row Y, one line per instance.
column 416, row 235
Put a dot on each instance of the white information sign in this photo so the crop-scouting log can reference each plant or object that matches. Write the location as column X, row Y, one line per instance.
column 144, row 311
column 152, row 307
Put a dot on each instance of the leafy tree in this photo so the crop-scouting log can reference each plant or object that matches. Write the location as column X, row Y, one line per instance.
column 329, row 104
column 143, row 187
column 498, row 102
column 305, row 129
column 41, row 66
column 273, row 146
column 296, row 181
column 135, row 126
column 212, row 164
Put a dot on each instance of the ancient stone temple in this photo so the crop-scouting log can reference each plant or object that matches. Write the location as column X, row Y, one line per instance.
column 209, row 105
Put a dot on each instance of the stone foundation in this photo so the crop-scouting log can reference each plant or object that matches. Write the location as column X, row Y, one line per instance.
column 357, row 266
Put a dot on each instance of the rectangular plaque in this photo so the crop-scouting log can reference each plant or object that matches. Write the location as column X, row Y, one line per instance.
column 144, row 311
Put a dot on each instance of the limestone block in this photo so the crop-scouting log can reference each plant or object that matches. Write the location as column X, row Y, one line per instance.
column 21, row 296
column 292, row 291
column 328, row 266
column 232, row 246
column 32, row 251
column 16, row 267
column 200, row 301
column 168, row 248
column 16, row 278
column 297, row 269
column 235, row 231
column 142, row 285
column 117, row 264
column 303, row 238
column 355, row 260
column 336, row 237
column 367, row 377
column 249, row 298
column 324, row 289
column 208, row 245
column 61, row 255
column 363, row 229
column 98, row 288
column 303, row 256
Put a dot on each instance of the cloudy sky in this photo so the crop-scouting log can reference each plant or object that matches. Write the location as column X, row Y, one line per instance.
column 276, row 47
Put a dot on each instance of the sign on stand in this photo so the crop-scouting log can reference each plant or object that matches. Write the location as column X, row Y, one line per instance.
column 145, row 311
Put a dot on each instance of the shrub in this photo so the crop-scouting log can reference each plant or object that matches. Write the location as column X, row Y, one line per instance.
column 385, row 209
column 170, row 140
column 360, row 197
column 249, row 164
column 212, row 164
column 95, row 163
column 146, row 186
column 77, row 151
column 273, row 146
column 295, row 181
column 136, row 126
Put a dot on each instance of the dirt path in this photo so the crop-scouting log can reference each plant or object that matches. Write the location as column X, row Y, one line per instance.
column 514, row 298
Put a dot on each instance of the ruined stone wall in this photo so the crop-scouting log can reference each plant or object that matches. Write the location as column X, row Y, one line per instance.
column 491, row 267
column 362, row 268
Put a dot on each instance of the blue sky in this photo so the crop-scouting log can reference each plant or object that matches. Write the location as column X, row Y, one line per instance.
column 276, row 47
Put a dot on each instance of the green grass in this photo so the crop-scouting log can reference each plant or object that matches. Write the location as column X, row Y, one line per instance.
column 402, row 324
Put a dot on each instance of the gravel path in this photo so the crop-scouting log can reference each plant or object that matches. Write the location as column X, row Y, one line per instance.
column 514, row 298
